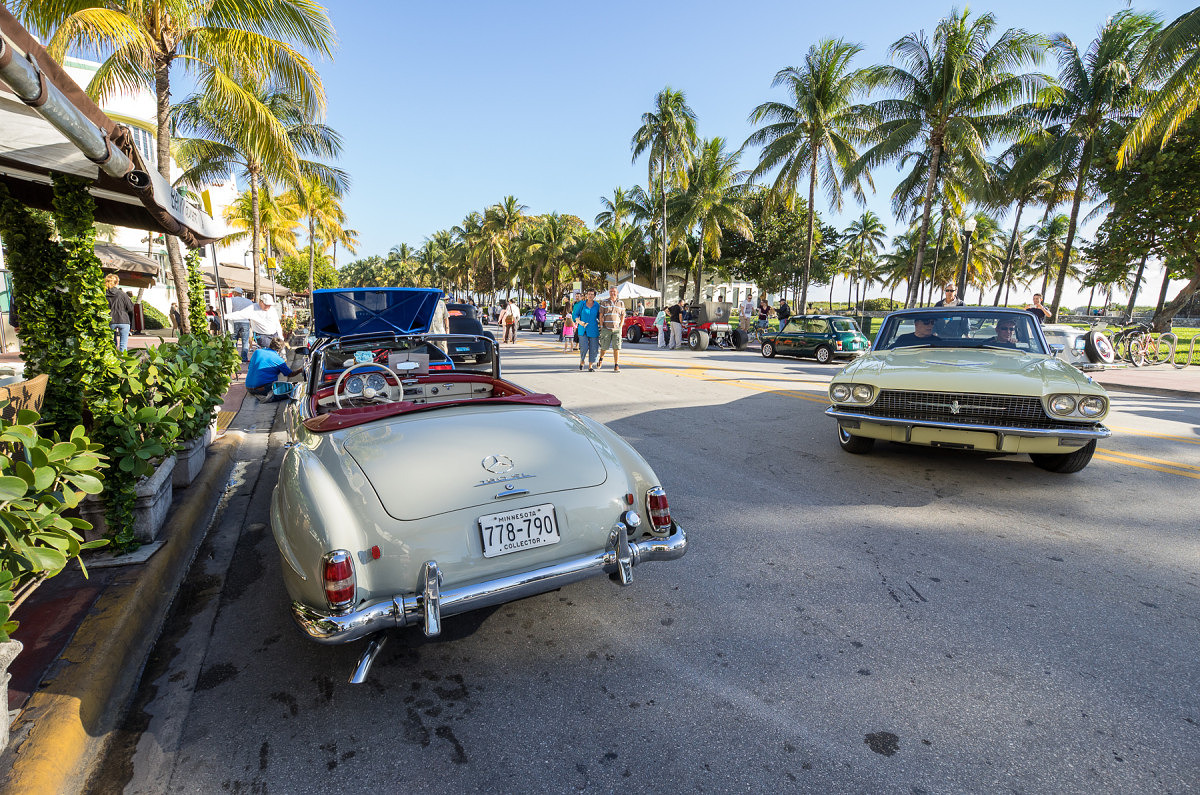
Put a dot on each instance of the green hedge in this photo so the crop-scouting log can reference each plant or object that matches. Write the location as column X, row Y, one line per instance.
column 154, row 319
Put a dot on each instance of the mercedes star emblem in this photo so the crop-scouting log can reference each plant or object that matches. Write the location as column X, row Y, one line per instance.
column 497, row 464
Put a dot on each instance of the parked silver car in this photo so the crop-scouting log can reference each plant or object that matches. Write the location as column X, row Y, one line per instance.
column 407, row 496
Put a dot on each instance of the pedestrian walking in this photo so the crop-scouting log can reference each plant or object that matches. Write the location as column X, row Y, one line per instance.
column 783, row 312
column 660, row 323
column 120, row 311
column 587, row 321
column 676, row 314
column 539, row 317
column 173, row 314
column 241, row 328
column 612, row 322
column 746, row 312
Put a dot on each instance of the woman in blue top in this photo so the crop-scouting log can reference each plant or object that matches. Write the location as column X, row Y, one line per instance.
column 587, row 320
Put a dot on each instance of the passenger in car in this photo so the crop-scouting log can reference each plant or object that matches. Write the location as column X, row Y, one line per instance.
column 1006, row 334
column 921, row 335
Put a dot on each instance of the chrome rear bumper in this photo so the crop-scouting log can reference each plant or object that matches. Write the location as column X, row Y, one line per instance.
column 432, row 604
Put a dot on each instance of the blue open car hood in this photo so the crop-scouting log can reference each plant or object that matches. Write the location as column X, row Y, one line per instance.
column 373, row 310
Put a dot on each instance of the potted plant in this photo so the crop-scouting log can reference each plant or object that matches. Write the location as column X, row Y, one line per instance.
column 135, row 422
column 40, row 478
column 193, row 374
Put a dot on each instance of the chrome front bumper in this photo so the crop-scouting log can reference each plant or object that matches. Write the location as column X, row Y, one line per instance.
column 1083, row 434
column 430, row 605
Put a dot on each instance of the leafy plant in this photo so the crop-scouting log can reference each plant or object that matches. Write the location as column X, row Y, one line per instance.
column 40, row 478
column 196, row 319
column 193, row 374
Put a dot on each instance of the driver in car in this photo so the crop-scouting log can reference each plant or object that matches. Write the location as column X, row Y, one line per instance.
column 921, row 335
column 1006, row 334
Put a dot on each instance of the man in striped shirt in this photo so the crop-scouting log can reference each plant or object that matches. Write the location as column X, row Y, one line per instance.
column 612, row 321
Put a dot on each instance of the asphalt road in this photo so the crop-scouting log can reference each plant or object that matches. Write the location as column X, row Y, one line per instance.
column 907, row 621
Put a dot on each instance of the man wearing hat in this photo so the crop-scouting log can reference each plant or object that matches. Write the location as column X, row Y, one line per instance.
column 264, row 320
column 241, row 328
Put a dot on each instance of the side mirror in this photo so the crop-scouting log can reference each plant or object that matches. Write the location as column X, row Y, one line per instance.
column 1057, row 348
column 302, row 350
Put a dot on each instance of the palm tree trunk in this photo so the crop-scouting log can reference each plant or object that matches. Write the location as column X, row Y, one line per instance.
column 1084, row 166
column 937, row 256
column 1137, row 281
column 808, row 254
column 662, row 189
column 915, row 280
column 1091, row 296
column 162, row 98
column 255, row 230
column 1012, row 247
column 312, row 253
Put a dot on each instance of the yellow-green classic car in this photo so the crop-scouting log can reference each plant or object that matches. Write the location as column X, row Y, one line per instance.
column 969, row 378
column 412, row 491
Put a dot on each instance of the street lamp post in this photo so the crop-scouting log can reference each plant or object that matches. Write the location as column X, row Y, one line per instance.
column 969, row 228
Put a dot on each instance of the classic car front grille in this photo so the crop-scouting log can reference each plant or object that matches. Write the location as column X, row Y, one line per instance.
column 965, row 408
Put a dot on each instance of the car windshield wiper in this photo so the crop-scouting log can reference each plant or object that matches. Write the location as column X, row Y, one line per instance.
column 1001, row 348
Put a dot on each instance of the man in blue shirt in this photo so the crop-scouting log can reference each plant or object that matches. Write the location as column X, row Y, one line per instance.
column 266, row 365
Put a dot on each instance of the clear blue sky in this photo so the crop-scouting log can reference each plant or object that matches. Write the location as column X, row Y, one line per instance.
column 446, row 107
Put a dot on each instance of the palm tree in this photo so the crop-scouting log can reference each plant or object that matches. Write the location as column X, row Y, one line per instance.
column 278, row 218
column 815, row 132
column 210, row 39
column 1174, row 57
column 611, row 249
column 668, row 133
column 711, row 203
column 548, row 244
column 1096, row 99
column 501, row 223
column 323, row 208
column 615, row 209
column 953, row 94
column 865, row 236
column 265, row 143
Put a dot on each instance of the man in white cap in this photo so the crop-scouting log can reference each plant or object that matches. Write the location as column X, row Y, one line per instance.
column 264, row 320
column 241, row 328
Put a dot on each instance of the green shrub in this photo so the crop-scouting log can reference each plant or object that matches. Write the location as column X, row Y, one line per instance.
column 39, row 479
column 154, row 319
column 881, row 305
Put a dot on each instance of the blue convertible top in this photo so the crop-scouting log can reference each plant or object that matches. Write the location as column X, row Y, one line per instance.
column 373, row 310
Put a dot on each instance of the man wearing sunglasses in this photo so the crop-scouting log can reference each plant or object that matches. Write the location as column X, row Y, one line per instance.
column 953, row 327
column 922, row 334
column 1006, row 334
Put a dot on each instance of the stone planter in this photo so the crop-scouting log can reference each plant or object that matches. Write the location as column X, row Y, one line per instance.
column 189, row 460
column 190, row 457
column 149, row 512
column 8, row 652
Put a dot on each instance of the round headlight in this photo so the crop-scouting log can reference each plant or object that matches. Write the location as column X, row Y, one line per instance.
column 840, row 392
column 862, row 393
column 1062, row 404
column 1091, row 406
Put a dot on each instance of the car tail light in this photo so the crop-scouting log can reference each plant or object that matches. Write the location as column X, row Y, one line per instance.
column 839, row 345
column 659, row 510
column 340, row 583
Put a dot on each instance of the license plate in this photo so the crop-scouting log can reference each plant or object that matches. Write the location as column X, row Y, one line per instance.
column 514, row 531
column 462, row 348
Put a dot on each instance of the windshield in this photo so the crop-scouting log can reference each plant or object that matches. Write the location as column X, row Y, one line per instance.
column 947, row 328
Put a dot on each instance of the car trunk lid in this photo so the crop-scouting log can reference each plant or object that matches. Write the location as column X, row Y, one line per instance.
column 431, row 463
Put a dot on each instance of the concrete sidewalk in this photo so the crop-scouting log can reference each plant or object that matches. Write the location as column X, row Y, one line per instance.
column 1160, row 379
column 87, row 640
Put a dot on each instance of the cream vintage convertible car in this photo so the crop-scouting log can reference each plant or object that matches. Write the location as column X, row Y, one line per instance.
column 973, row 378
column 408, row 495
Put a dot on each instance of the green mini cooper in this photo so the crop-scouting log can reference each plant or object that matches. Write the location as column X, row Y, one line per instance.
column 823, row 337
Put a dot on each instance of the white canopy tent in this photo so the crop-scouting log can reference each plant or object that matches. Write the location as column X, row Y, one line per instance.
column 629, row 290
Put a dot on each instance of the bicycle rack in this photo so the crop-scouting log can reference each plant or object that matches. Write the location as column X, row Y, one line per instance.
column 1190, row 357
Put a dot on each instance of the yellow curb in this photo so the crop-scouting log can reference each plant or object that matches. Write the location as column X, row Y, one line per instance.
column 63, row 730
